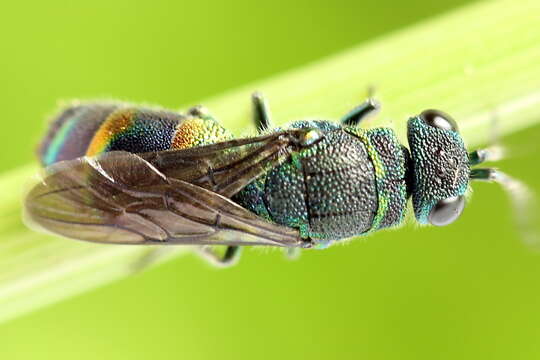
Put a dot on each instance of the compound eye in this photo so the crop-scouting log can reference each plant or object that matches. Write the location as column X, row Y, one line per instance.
column 446, row 211
column 439, row 120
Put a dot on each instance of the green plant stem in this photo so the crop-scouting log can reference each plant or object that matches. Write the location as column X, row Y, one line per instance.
column 480, row 64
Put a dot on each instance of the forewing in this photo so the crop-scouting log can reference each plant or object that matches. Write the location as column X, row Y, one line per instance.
column 173, row 197
column 226, row 167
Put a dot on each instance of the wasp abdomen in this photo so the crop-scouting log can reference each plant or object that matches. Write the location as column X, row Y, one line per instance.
column 71, row 132
column 92, row 129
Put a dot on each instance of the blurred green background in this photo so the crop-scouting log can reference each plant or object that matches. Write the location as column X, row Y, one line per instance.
column 466, row 292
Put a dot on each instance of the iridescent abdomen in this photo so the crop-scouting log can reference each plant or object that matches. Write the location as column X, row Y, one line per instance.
column 71, row 132
column 91, row 129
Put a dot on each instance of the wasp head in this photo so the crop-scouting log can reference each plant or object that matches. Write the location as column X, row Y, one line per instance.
column 440, row 168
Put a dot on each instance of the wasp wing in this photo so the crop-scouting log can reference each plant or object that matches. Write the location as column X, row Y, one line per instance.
column 226, row 167
column 169, row 197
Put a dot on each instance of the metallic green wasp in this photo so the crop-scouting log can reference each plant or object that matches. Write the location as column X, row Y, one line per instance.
column 117, row 173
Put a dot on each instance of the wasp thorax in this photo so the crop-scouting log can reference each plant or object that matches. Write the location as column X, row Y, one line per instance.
column 347, row 181
column 440, row 168
column 326, row 190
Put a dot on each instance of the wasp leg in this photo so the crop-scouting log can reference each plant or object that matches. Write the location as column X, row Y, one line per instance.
column 261, row 112
column 292, row 253
column 151, row 257
column 216, row 256
column 361, row 112
column 199, row 111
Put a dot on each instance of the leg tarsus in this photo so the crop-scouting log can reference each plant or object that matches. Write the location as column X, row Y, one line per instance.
column 361, row 112
column 292, row 253
column 261, row 112
column 216, row 257
column 199, row 111
column 150, row 258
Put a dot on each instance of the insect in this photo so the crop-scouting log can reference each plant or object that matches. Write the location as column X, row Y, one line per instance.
column 122, row 174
